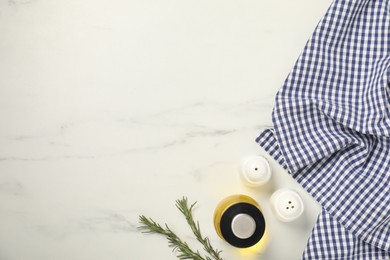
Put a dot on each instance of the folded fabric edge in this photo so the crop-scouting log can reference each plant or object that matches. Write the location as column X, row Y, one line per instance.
column 268, row 141
column 330, row 234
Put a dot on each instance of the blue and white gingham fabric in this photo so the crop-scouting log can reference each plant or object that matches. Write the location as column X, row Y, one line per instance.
column 331, row 130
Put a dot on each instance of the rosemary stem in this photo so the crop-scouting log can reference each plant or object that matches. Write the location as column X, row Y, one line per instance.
column 148, row 225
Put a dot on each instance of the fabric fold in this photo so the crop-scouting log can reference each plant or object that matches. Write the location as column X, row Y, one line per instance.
column 331, row 121
column 337, row 243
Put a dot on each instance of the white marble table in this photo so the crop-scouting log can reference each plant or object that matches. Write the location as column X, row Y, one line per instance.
column 112, row 109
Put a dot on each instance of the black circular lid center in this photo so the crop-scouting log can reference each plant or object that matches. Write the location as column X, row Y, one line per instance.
column 226, row 224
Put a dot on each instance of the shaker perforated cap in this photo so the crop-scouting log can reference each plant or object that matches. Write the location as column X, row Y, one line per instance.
column 255, row 171
column 287, row 205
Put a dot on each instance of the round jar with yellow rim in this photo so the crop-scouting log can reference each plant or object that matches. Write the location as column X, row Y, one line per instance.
column 239, row 221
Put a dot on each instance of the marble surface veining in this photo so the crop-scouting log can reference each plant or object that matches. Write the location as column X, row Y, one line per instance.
column 112, row 109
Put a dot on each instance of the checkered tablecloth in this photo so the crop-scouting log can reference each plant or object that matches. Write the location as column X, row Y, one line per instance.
column 331, row 130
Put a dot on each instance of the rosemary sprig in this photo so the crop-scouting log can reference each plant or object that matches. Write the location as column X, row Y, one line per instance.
column 150, row 226
column 182, row 205
column 185, row 252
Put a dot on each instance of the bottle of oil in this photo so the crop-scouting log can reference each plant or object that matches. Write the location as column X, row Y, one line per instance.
column 239, row 221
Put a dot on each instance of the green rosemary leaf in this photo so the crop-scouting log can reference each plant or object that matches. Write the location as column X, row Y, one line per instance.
column 148, row 225
column 186, row 210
